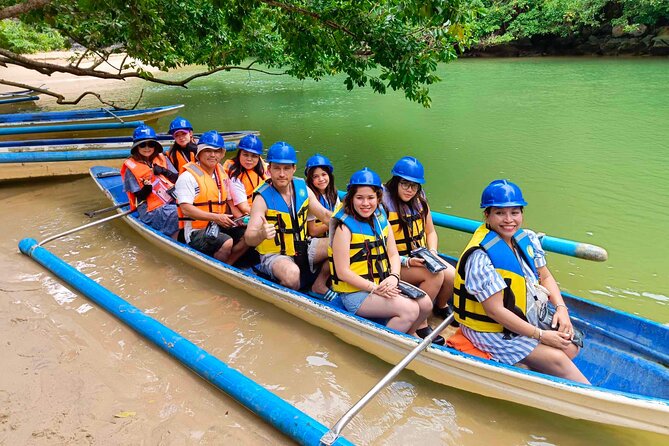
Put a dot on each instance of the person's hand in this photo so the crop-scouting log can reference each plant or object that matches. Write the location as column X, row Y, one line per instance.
column 416, row 262
column 267, row 230
column 225, row 220
column 561, row 321
column 388, row 287
column 146, row 181
column 556, row 339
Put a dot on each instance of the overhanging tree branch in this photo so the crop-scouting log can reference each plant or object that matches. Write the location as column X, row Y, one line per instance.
column 21, row 8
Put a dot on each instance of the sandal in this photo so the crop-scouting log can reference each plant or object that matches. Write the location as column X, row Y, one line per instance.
column 425, row 332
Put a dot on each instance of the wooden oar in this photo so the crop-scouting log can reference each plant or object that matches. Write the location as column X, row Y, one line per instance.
column 86, row 226
column 331, row 436
column 91, row 214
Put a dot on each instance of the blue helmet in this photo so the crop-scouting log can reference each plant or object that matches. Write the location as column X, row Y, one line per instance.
column 144, row 133
column 179, row 123
column 502, row 194
column 281, row 153
column 318, row 160
column 364, row 177
column 251, row 143
column 210, row 140
column 410, row 169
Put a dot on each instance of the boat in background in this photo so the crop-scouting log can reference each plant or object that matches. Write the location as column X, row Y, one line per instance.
column 78, row 123
column 625, row 357
column 21, row 160
column 16, row 100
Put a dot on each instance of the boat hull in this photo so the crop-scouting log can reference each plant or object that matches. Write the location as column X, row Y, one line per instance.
column 439, row 364
column 35, row 120
column 54, row 158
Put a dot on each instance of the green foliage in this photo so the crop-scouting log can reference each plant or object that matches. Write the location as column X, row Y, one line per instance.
column 21, row 38
column 383, row 44
column 507, row 20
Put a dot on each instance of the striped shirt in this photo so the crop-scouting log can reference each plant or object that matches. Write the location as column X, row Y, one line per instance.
column 482, row 281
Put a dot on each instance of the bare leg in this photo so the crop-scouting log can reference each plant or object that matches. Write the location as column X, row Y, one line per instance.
column 428, row 282
column 238, row 250
column 224, row 251
column 401, row 311
column 319, row 285
column 287, row 273
column 553, row 361
column 446, row 292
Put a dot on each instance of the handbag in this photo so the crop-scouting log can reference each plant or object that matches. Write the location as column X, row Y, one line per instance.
column 546, row 312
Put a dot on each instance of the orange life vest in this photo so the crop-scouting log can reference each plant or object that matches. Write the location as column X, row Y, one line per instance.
column 160, row 185
column 249, row 178
column 212, row 195
column 177, row 156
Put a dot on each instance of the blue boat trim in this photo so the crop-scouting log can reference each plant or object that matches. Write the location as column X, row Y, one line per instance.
column 162, row 137
column 69, row 128
column 96, row 113
column 73, row 155
column 271, row 408
column 19, row 99
column 640, row 345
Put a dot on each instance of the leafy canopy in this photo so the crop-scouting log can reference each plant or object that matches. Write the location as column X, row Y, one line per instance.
column 384, row 44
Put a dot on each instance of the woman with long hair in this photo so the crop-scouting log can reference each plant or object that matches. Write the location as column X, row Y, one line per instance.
column 364, row 262
column 246, row 171
column 411, row 220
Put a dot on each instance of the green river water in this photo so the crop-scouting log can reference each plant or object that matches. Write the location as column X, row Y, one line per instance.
column 584, row 138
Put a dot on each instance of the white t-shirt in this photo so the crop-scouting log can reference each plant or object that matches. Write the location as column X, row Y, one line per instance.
column 186, row 189
column 236, row 190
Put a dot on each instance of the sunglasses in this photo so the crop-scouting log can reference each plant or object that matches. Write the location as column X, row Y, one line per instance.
column 409, row 185
column 150, row 144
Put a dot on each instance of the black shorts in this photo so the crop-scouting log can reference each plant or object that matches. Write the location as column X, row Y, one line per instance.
column 206, row 245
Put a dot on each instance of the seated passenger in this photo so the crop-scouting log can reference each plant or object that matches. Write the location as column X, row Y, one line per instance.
column 184, row 148
column 410, row 217
column 364, row 262
column 320, row 179
column 496, row 291
column 247, row 170
column 202, row 196
column 148, row 179
column 278, row 223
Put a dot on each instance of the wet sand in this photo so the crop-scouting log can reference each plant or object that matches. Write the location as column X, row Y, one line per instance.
column 63, row 380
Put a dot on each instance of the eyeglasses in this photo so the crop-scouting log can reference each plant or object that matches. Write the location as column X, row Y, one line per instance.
column 150, row 144
column 409, row 185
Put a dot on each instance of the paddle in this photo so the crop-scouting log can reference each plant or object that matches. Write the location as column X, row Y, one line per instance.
column 87, row 225
column 331, row 436
column 113, row 114
column 91, row 214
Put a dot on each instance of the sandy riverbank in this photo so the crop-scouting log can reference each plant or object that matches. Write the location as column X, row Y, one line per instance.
column 65, row 380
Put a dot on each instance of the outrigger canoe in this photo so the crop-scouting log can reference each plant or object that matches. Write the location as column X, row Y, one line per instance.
column 21, row 160
column 76, row 123
column 625, row 357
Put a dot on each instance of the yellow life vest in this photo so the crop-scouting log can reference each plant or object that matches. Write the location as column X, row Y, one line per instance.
column 469, row 311
column 411, row 237
column 290, row 224
column 367, row 250
column 211, row 196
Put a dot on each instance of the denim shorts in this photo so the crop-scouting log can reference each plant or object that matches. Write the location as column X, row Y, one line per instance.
column 352, row 301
